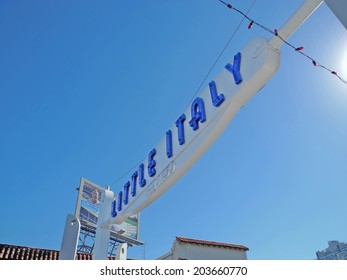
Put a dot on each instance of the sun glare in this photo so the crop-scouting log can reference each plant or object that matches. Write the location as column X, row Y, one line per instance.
column 343, row 65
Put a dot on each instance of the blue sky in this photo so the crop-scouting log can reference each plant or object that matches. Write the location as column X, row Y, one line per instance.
column 88, row 88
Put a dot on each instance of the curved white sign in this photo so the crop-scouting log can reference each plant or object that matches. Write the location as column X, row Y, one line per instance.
column 197, row 128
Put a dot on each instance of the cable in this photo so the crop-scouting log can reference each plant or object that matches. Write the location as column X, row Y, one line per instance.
column 208, row 73
column 221, row 53
column 127, row 172
column 275, row 33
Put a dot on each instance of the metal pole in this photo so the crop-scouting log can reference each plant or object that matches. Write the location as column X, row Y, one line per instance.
column 103, row 231
column 69, row 243
column 294, row 22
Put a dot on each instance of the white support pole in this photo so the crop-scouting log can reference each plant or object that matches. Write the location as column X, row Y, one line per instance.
column 339, row 8
column 69, row 242
column 122, row 251
column 294, row 22
column 103, row 231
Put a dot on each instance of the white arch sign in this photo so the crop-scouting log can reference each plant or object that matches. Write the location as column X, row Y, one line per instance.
column 196, row 129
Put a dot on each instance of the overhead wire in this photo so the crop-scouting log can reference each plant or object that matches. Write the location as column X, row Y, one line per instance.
column 127, row 172
column 275, row 33
column 199, row 87
column 223, row 50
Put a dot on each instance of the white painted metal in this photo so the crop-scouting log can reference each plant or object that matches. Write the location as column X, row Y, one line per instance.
column 260, row 60
column 69, row 242
column 294, row 22
column 122, row 251
column 102, row 234
column 259, row 63
column 339, row 8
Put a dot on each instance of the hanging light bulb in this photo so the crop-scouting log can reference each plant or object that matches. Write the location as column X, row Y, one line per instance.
column 275, row 33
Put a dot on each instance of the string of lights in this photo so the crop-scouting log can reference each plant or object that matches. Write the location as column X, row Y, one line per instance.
column 250, row 25
column 275, row 33
column 220, row 55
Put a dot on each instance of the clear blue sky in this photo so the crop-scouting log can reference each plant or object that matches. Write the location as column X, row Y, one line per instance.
column 88, row 88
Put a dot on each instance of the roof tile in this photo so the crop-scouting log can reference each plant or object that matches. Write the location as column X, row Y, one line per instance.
column 13, row 252
column 211, row 243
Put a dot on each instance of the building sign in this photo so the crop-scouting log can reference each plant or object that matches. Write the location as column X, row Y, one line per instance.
column 197, row 128
column 87, row 210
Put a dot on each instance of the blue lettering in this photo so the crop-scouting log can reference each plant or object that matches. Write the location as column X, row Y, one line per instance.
column 113, row 209
column 180, row 127
column 133, row 183
column 216, row 99
column 235, row 69
column 198, row 113
column 169, row 143
column 151, row 163
column 120, row 196
column 126, row 193
column 142, row 180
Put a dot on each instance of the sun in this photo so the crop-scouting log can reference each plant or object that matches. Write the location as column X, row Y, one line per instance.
column 343, row 65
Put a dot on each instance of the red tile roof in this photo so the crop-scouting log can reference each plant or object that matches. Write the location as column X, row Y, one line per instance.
column 12, row 252
column 211, row 243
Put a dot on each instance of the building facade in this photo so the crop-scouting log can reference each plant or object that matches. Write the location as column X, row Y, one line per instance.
column 194, row 249
column 336, row 251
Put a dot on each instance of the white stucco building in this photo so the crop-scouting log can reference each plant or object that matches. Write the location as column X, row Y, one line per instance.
column 194, row 249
